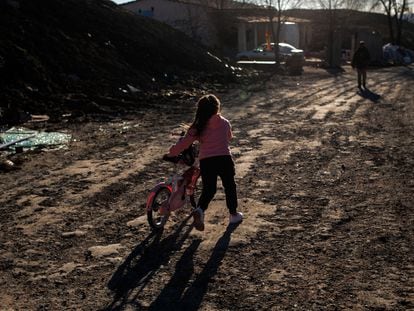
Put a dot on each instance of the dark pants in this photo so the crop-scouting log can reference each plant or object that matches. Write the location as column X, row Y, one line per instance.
column 362, row 76
column 222, row 166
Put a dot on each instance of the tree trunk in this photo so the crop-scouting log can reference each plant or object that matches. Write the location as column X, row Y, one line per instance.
column 388, row 7
column 277, row 37
column 331, row 37
column 399, row 14
column 391, row 28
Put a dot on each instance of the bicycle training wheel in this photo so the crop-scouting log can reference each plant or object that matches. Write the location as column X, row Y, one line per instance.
column 157, row 215
column 197, row 193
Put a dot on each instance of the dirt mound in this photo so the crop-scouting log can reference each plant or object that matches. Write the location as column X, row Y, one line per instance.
column 93, row 49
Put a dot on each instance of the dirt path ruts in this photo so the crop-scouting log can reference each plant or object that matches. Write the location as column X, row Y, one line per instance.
column 325, row 179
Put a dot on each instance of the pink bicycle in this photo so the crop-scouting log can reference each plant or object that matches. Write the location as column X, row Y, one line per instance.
column 177, row 191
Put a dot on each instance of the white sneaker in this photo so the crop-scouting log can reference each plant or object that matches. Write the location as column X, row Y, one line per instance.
column 236, row 218
column 198, row 215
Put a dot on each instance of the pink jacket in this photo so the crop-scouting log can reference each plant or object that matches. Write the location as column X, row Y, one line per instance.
column 214, row 141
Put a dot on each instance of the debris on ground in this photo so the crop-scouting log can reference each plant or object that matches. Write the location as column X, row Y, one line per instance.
column 397, row 55
column 6, row 165
column 20, row 137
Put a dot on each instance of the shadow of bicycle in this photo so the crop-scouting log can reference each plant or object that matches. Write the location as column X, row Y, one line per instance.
column 139, row 267
column 182, row 292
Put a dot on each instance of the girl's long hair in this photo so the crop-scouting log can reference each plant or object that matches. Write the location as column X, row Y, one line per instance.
column 207, row 106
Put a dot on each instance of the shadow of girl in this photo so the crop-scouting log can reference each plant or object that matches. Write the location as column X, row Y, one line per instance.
column 193, row 296
column 184, row 270
column 140, row 266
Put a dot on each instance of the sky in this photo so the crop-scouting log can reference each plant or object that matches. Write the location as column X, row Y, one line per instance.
column 121, row 1
column 410, row 3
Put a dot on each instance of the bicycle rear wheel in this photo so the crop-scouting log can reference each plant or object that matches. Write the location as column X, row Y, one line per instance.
column 157, row 212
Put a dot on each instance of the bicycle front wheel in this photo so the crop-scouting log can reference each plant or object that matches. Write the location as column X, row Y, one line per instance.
column 157, row 209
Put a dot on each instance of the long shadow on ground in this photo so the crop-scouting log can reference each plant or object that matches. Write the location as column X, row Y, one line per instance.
column 368, row 94
column 175, row 295
column 180, row 293
column 140, row 266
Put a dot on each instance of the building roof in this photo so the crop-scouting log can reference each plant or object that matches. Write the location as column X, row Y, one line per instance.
column 265, row 19
column 247, row 12
column 215, row 4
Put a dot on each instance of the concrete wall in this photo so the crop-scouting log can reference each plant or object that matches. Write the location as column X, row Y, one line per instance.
column 290, row 34
column 251, row 35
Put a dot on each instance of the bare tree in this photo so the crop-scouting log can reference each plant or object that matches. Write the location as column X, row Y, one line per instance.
column 354, row 4
column 277, row 19
column 395, row 10
column 344, row 4
column 332, row 6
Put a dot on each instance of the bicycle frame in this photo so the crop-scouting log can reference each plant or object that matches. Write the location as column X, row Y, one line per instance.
column 181, row 188
column 177, row 191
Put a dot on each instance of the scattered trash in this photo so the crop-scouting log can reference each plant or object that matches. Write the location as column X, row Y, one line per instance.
column 397, row 55
column 215, row 57
column 39, row 118
column 133, row 89
column 31, row 89
column 6, row 165
column 16, row 141
column 29, row 139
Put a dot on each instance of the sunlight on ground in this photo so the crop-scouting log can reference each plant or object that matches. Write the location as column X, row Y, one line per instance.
column 217, row 218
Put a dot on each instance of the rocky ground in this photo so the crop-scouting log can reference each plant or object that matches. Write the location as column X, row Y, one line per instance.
column 325, row 179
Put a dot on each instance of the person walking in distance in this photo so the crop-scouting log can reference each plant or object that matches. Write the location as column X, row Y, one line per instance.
column 213, row 132
column 360, row 61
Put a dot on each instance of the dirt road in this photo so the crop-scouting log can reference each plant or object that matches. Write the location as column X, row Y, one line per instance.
column 325, row 179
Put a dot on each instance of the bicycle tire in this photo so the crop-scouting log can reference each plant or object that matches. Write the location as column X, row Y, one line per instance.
column 161, row 196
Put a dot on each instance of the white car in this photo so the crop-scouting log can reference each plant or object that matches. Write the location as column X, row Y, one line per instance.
column 261, row 53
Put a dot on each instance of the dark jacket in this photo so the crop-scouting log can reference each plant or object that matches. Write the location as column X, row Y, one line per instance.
column 361, row 58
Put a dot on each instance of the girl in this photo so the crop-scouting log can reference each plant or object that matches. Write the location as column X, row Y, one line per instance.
column 214, row 133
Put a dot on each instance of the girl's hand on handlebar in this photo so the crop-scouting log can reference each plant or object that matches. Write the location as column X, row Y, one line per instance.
column 169, row 158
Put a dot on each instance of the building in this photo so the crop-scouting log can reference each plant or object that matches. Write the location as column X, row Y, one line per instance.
column 228, row 30
column 192, row 19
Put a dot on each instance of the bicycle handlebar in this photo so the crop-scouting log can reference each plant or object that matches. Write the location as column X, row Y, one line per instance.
column 181, row 134
column 174, row 160
column 186, row 157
